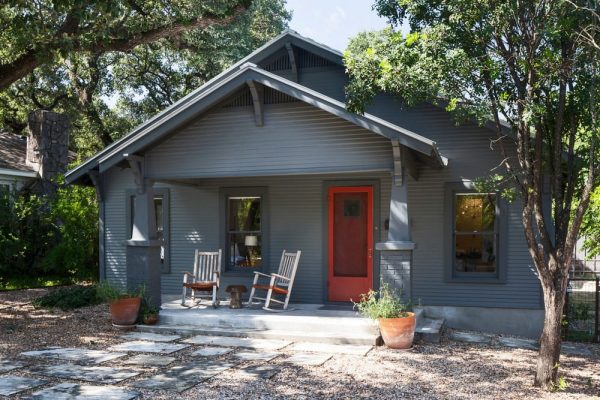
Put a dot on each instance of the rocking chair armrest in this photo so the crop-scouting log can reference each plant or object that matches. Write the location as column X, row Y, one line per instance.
column 189, row 273
column 281, row 277
column 260, row 273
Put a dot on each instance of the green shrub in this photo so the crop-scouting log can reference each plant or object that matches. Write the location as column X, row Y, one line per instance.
column 108, row 292
column 69, row 298
column 382, row 304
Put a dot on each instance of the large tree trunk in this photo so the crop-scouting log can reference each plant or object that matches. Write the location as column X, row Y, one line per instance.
column 550, row 341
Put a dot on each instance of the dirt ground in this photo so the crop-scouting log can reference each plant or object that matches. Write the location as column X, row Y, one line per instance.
column 450, row 370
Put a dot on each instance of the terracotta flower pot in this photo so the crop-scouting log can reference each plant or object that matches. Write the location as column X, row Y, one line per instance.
column 125, row 311
column 398, row 333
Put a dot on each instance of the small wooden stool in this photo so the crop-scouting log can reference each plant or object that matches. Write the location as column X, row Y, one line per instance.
column 236, row 295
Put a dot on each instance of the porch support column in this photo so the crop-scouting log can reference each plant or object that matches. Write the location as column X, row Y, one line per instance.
column 143, row 248
column 396, row 253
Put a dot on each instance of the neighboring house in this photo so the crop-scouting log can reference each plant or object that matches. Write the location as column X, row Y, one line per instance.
column 264, row 157
column 33, row 161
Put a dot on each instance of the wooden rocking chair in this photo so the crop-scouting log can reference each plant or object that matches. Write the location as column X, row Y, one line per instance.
column 206, row 276
column 280, row 283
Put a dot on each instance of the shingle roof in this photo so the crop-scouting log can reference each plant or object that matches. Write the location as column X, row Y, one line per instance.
column 13, row 152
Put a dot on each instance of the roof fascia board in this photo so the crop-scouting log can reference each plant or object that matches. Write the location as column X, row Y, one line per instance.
column 16, row 172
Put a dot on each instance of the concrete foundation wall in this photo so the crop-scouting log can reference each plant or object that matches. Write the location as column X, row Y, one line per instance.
column 511, row 321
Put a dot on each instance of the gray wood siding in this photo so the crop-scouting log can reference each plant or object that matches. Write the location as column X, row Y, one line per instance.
column 117, row 183
column 296, row 212
column 468, row 149
column 296, row 139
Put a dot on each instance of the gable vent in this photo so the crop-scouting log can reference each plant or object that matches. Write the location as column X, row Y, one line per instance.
column 243, row 98
column 279, row 64
column 307, row 59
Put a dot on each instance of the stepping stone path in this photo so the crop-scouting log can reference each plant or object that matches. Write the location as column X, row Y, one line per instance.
column 212, row 351
column 260, row 371
column 75, row 391
column 253, row 356
column 9, row 365
column 74, row 354
column 91, row 374
column 308, row 359
column 518, row 343
column 470, row 337
column 183, row 377
column 152, row 337
column 330, row 348
column 150, row 360
column 10, row 384
column 143, row 346
column 261, row 344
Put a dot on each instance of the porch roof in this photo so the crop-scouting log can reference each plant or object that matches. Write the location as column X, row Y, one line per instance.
column 228, row 82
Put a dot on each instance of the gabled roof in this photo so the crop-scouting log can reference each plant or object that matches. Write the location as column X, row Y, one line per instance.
column 231, row 80
column 13, row 153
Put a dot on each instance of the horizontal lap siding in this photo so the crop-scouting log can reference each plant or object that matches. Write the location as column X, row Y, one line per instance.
column 296, row 138
column 115, row 227
column 468, row 149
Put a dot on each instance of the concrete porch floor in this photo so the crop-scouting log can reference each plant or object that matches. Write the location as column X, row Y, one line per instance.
column 300, row 322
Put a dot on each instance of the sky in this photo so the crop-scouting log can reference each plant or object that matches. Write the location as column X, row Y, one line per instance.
column 333, row 22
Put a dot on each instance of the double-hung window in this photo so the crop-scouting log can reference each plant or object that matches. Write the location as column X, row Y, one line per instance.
column 473, row 234
column 245, row 226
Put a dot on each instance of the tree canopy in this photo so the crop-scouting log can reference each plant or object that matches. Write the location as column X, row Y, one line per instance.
column 111, row 64
column 529, row 65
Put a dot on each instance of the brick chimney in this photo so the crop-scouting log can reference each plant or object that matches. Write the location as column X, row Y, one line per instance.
column 48, row 146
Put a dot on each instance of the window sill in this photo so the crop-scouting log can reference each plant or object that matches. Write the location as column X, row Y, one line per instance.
column 475, row 279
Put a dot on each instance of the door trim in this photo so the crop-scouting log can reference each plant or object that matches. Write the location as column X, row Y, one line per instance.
column 375, row 183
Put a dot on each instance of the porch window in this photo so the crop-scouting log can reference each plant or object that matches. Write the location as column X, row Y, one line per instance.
column 475, row 233
column 161, row 213
column 244, row 232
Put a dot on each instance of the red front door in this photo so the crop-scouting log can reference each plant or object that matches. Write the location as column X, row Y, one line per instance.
column 350, row 242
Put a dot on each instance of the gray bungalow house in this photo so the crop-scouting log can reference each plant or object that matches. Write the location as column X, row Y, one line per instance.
column 265, row 157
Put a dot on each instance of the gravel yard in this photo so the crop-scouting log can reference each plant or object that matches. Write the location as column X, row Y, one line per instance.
column 450, row 370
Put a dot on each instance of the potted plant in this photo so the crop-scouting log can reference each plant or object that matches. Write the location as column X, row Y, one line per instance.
column 396, row 323
column 148, row 313
column 124, row 305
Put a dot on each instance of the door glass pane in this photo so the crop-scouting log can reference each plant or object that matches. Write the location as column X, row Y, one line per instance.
column 350, row 234
column 244, row 235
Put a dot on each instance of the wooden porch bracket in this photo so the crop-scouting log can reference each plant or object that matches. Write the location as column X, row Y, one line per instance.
column 410, row 164
column 292, row 56
column 257, row 91
column 95, row 178
column 137, row 167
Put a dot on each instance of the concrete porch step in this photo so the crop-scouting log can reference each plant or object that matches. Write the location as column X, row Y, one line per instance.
column 429, row 330
column 328, row 337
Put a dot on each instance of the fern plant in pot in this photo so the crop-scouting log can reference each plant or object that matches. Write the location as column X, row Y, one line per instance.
column 396, row 323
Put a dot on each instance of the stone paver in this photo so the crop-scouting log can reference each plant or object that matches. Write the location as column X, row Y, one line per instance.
column 84, row 373
column 262, row 344
column 255, row 356
column 259, row 371
column 575, row 349
column 10, row 384
column 74, row 391
column 149, row 336
column 308, row 359
column 9, row 365
column 150, row 360
column 143, row 346
column 212, row 351
column 183, row 377
column 470, row 337
column 74, row 354
column 330, row 348
column 521, row 343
